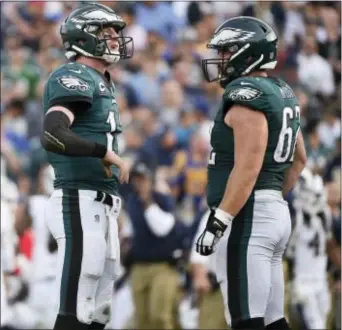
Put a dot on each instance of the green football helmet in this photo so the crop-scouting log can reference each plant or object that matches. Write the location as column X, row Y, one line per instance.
column 251, row 44
column 80, row 34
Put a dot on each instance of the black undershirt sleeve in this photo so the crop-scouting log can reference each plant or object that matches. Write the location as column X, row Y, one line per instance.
column 58, row 138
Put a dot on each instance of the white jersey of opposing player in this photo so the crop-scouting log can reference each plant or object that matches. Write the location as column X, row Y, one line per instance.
column 313, row 223
column 43, row 261
column 9, row 238
column 310, row 236
column 5, row 310
column 8, row 243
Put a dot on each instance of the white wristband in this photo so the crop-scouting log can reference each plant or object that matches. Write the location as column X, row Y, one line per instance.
column 223, row 216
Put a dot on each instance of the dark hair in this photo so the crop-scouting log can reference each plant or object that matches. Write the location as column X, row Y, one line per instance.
column 311, row 127
column 129, row 9
column 16, row 104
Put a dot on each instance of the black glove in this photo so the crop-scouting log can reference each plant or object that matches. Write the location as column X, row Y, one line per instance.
column 212, row 233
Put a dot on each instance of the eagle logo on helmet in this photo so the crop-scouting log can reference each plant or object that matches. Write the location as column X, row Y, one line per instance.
column 98, row 15
column 230, row 35
column 244, row 94
column 73, row 83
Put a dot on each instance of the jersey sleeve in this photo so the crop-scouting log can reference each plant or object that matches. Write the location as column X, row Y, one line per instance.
column 67, row 86
column 246, row 93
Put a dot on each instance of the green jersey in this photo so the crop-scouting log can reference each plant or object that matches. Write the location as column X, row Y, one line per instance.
column 99, row 123
column 277, row 101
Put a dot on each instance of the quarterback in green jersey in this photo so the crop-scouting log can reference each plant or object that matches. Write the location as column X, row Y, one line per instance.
column 257, row 155
column 81, row 126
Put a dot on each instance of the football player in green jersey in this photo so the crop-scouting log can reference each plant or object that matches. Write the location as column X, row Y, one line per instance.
column 257, row 155
column 81, row 125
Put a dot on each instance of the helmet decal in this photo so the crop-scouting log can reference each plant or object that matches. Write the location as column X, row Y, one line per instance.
column 230, row 35
column 101, row 15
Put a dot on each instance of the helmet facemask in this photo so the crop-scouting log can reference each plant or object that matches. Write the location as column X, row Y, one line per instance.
column 103, row 50
column 125, row 47
column 220, row 68
column 230, row 68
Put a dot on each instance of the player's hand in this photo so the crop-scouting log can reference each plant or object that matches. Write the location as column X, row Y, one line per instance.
column 124, row 171
column 123, row 166
column 212, row 233
column 202, row 284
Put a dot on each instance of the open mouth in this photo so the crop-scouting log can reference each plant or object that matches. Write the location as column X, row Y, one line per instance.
column 114, row 47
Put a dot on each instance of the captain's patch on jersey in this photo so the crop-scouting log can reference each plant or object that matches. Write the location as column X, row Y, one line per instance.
column 73, row 83
column 244, row 94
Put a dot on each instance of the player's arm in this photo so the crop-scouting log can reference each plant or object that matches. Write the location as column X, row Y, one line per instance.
column 250, row 141
column 334, row 252
column 199, row 264
column 292, row 173
column 333, row 232
column 57, row 136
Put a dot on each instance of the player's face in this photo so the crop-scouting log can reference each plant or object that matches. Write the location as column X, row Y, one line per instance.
column 111, row 37
column 224, row 54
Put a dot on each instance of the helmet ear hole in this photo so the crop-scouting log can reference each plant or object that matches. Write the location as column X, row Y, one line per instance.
column 100, row 48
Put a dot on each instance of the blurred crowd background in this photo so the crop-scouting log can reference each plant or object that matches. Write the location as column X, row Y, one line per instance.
column 166, row 106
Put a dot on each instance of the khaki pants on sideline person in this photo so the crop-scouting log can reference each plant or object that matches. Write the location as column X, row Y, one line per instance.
column 155, row 289
column 211, row 311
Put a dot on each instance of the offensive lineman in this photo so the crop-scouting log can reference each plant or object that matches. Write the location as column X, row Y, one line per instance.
column 258, row 154
column 80, row 132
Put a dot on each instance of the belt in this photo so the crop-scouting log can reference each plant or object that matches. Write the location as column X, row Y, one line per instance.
column 98, row 196
column 105, row 198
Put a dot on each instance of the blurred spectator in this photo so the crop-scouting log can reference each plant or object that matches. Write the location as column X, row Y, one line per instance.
column 310, row 106
column 329, row 129
column 269, row 11
column 15, row 130
column 205, row 24
column 202, row 115
column 30, row 20
column 314, row 71
column 186, row 73
column 294, row 23
column 190, row 175
column 333, row 169
column 133, row 138
column 158, row 16
column 330, row 44
column 146, row 79
column 20, row 77
column 172, row 99
column 134, row 30
column 157, row 247
column 315, row 150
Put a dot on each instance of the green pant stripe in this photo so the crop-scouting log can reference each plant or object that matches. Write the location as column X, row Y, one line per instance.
column 67, row 252
column 237, row 263
column 73, row 251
